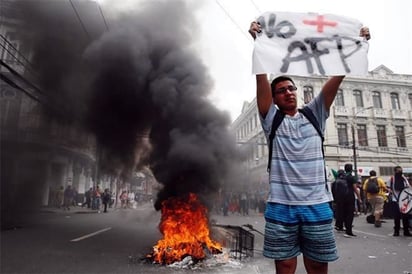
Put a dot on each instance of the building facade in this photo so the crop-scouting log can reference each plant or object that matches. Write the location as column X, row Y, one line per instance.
column 369, row 125
column 39, row 155
column 40, row 152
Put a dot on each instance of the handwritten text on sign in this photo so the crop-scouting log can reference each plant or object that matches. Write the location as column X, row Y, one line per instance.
column 309, row 44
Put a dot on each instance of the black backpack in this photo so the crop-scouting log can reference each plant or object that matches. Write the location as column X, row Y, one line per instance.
column 372, row 186
column 340, row 188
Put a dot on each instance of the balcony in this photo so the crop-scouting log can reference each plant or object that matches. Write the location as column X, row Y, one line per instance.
column 361, row 112
column 380, row 113
column 341, row 111
column 399, row 114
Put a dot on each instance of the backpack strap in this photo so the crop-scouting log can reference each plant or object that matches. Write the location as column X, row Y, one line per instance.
column 277, row 120
column 312, row 119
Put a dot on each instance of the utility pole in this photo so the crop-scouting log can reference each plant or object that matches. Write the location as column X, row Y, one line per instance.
column 355, row 162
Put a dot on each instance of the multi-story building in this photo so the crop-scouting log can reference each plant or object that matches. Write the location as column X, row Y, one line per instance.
column 370, row 124
column 39, row 154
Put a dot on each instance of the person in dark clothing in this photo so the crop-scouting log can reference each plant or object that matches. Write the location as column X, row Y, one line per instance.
column 88, row 195
column 345, row 207
column 397, row 183
column 106, row 199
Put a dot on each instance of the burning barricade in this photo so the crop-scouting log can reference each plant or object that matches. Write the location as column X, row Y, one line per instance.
column 185, row 229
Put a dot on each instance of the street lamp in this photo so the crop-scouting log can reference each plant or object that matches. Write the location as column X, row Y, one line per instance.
column 355, row 163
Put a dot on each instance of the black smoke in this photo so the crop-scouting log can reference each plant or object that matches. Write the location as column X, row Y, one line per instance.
column 138, row 76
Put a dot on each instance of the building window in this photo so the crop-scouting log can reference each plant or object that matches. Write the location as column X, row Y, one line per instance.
column 386, row 170
column 357, row 94
column 395, row 101
column 307, row 94
column 400, row 136
column 339, row 101
column 343, row 135
column 381, row 133
column 362, row 135
column 410, row 99
column 376, row 99
column 9, row 49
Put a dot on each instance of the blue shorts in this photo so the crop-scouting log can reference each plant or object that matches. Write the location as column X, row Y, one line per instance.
column 292, row 230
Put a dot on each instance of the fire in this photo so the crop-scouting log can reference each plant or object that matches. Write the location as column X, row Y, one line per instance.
column 184, row 225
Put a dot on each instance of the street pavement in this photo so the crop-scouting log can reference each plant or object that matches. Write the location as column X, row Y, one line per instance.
column 122, row 238
column 374, row 250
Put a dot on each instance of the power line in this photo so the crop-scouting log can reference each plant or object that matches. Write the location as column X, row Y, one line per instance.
column 15, row 73
column 80, row 20
column 14, row 85
column 15, row 54
column 256, row 7
column 233, row 20
column 104, row 19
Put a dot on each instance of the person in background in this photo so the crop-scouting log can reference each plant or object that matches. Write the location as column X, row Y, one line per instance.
column 60, row 197
column 88, row 196
column 106, row 197
column 376, row 200
column 358, row 205
column 68, row 197
column 349, row 205
column 97, row 199
column 397, row 183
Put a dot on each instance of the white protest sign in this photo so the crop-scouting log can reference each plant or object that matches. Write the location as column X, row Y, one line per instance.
column 309, row 44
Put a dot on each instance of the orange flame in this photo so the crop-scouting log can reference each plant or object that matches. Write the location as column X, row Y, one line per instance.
column 185, row 230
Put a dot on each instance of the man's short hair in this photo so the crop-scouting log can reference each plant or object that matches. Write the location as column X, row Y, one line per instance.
column 348, row 167
column 397, row 167
column 278, row 80
column 372, row 173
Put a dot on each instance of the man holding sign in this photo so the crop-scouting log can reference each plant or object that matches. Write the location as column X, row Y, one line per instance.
column 298, row 215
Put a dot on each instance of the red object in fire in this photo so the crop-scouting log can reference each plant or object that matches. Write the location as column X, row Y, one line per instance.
column 185, row 229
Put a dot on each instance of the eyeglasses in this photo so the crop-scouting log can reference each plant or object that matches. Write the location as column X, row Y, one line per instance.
column 284, row 89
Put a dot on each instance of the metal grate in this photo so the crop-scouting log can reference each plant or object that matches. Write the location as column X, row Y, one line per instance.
column 239, row 241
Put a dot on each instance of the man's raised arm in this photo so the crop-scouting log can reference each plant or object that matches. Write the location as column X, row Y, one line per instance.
column 263, row 90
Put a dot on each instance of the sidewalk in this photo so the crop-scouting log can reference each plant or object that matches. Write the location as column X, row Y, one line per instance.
column 73, row 210
column 85, row 210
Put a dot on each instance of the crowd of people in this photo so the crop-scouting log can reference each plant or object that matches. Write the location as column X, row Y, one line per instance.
column 239, row 203
column 374, row 197
column 94, row 198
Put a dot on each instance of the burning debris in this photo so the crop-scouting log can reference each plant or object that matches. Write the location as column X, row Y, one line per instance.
column 185, row 228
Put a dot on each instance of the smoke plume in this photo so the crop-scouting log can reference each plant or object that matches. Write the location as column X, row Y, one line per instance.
column 137, row 76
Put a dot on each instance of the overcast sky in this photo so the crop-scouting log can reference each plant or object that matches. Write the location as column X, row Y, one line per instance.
column 226, row 47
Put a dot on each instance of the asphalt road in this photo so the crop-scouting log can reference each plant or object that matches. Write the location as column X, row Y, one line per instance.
column 80, row 241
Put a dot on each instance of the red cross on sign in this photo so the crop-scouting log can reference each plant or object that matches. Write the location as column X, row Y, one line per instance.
column 320, row 23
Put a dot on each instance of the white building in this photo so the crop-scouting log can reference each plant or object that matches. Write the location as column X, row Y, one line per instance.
column 379, row 109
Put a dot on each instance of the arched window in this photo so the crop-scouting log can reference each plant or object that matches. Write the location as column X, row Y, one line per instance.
column 342, row 134
column 410, row 99
column 307, row 94
column 362, row 135
column 395, row 101
column 381, row 133
column 376, row 99
column 339, row 101
column 400, row 136
column 357, row 94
